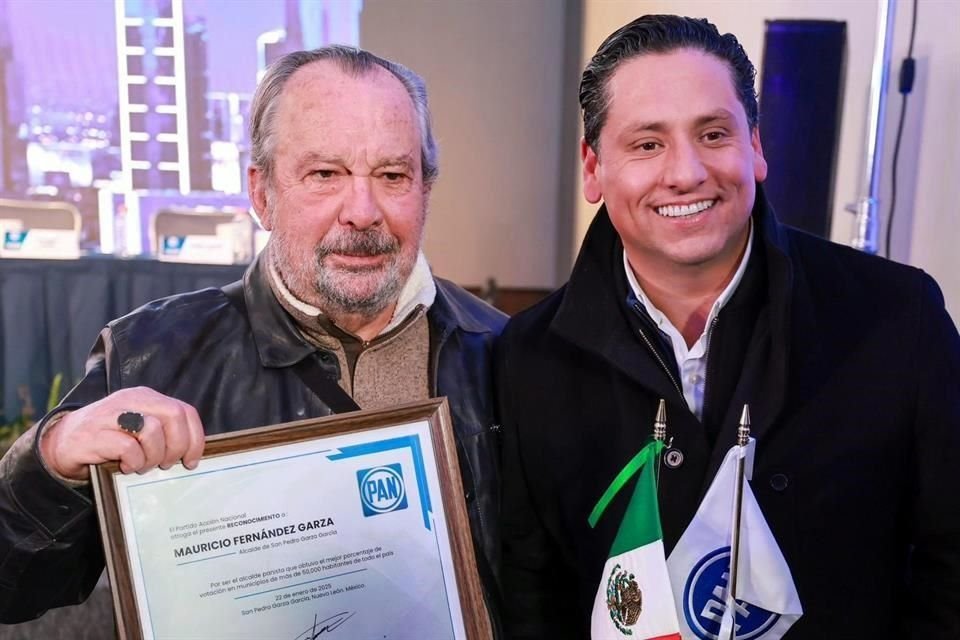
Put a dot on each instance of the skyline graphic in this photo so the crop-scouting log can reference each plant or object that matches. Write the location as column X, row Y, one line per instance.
column 66, row 49
column 125, row 108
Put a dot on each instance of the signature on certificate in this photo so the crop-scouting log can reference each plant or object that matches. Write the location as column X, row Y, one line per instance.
column 327, row 625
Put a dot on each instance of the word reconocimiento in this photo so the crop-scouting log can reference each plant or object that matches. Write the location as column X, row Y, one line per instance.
column 216, row 524
column 255, row 536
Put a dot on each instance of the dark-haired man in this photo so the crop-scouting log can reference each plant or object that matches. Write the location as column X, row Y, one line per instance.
column 688, row 289
column 343, row 160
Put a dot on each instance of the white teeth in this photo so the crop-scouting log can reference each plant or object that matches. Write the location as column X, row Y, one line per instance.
column 676, row 211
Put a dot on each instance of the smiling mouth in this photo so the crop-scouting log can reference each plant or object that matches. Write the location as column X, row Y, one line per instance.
column 682, row 210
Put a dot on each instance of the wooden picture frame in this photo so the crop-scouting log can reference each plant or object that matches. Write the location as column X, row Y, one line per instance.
column 144, row 549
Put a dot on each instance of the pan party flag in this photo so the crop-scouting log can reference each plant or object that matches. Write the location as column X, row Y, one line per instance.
column 766, row 602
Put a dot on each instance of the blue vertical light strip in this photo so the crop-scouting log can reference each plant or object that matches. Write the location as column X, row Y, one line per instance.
column 413, row 443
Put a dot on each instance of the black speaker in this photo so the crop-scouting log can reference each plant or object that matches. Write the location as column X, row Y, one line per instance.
column 801, row 98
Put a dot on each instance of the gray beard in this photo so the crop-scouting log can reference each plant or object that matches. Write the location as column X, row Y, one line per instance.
column 329, row 287
column 333, row 290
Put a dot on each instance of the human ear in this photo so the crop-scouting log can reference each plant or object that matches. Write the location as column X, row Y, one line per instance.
column 257, row 186
column 759, row 162
column 591, row 181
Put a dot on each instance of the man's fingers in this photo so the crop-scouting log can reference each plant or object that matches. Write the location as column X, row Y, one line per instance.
column 171, row 431
column 152, row 439
column 183, row 436
column 122, row 447
column 196, row 438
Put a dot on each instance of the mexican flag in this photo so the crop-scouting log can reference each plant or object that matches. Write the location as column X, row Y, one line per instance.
column 766, row 602
column 634, row 599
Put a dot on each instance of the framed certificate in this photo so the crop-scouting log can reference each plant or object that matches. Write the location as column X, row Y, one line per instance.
column 351, row 526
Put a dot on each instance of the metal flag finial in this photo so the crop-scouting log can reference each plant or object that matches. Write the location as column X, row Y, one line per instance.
column 660, row 422
column 743, row 431
column 728, row 628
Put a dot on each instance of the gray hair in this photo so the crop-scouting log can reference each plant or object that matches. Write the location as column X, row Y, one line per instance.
column 350, row 60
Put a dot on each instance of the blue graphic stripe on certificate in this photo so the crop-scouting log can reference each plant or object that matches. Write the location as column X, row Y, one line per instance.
column 232, row 553
column 391, row 444
column 299, row 584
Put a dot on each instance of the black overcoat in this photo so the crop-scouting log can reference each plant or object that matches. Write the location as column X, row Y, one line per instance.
column 853, row 378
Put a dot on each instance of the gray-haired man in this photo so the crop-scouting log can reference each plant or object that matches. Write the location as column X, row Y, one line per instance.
column 343, row 163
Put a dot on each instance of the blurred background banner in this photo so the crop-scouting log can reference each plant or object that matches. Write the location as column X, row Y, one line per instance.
column 124, row 108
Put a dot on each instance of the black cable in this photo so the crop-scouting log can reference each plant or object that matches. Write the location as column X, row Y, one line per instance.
column 907, row 72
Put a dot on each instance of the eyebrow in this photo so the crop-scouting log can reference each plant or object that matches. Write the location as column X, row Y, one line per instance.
column 405, row 161
column 312, row 157
column 705, row 119
column 714, row 116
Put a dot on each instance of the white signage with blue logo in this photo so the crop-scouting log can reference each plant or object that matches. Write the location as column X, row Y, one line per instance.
column 46, row 244
column 342, row 537
column 198, row 249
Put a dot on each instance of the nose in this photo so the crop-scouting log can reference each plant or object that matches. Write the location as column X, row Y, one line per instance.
column 360, row 208
column 684, row 170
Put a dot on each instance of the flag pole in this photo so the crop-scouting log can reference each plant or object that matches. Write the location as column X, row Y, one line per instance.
column 743, row 438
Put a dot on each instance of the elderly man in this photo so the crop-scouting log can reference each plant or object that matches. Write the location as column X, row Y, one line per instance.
column 340, row 310
column 687, row 289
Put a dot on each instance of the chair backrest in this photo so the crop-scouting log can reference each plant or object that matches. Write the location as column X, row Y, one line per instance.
column 235, row 229
column 40, row 214
column 39, row 229
column 172, row 222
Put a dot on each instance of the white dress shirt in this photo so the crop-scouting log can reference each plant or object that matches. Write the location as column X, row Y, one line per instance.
column 692, row 362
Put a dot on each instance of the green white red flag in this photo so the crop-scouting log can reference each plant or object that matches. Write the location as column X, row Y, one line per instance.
column 634, row 598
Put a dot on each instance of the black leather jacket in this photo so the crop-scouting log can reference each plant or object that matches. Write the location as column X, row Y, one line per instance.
column 199, row 348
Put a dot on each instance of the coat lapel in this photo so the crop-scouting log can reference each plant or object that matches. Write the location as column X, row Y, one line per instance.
column 784, row 352
column 592, row 313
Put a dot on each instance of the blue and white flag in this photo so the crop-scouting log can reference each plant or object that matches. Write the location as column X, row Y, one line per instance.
column 767, row 603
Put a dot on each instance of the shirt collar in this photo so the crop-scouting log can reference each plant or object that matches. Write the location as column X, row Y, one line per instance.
column 418, row 290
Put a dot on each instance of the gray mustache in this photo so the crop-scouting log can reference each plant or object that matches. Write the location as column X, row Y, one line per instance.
column 360, row 243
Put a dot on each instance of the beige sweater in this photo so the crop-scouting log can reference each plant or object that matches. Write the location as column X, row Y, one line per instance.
column 391, row 369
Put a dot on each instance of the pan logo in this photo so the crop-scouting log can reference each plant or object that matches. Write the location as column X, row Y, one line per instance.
column 381, row 489
column 14, row 239
column 173, row 245
column 704, row 602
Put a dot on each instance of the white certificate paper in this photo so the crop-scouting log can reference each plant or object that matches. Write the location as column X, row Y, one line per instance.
column 343, row 537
